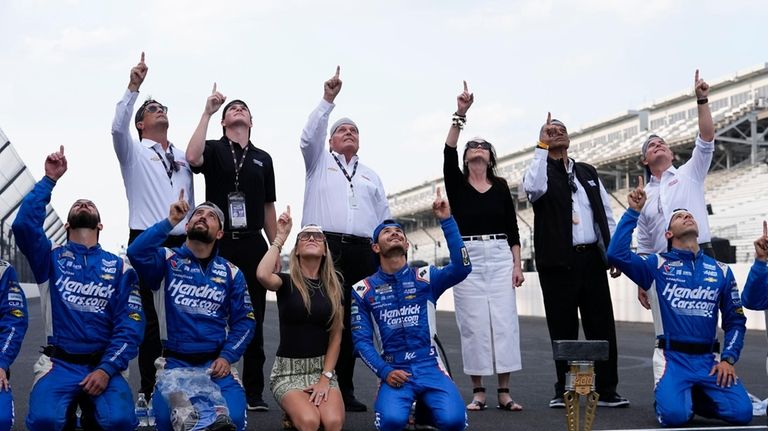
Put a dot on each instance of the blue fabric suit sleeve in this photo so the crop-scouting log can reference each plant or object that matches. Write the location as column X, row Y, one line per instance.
column 14, row 318
column 734, row 321
column 620, row 255
column 755, row 294
column 147, row 254
column 362, row 335
column 127, row 323
column 459, row 268
column 242, row 322
column 28, row 229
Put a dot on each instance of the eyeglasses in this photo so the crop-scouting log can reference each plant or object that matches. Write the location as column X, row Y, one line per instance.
column 306, row 235
column 481, row 144
column 154, row 108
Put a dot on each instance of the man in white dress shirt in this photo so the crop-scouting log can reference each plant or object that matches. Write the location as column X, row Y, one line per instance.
column 154, row 173
column 669, row 188
column 348, row 200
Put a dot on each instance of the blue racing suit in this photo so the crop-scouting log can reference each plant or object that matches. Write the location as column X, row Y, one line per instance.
column 686, row 291
column 755, row 294
column 14, row 320
column 92, row 317
column 204, row 313
column 397, row 308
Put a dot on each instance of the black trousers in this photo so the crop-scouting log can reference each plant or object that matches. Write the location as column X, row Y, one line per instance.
column 246, row 253
column 582, row 289
column 150, row 348
column 355, row 261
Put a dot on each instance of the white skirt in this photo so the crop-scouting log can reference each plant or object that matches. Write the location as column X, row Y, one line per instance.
column 486, row 311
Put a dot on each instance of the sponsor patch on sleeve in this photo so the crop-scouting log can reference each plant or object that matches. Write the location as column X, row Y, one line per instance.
column 135, row 316
column 16, row 312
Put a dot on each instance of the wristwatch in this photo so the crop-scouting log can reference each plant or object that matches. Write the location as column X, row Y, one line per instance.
column 328, row 374
column 730, row 360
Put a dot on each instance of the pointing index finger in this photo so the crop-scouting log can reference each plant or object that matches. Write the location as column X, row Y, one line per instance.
column 640, row 181
column 696, row 77
column 338, row 70
column 288, row 209
column 61, row 149
column 439, row 192
column 142, row 57
column 214, row 88
column 765, row 229
column 466, row 90
column 549, row 118
column 181, row 195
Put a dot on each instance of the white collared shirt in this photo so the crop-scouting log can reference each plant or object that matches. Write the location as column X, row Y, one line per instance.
column 535, row 185
column 149, row 190
column 328, row 198
column 681, row 187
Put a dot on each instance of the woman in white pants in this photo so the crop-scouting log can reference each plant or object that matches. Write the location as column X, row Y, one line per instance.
column 486, row 309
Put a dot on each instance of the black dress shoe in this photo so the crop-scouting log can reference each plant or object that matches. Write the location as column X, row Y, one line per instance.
column 351, row 404
column 222, row 423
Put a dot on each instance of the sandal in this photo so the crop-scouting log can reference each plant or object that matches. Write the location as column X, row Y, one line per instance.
column 511, row 405
column 477, row 405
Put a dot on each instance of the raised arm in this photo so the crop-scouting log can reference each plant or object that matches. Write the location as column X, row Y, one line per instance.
column 535, row 179
column 463, row 102
column 706, row 125
column 196, row 145
column 146, row 252
column 28, row 225
column 264, row 272
column 755, row 294
column 121, row 124
column 619, row 251
column 459, row 268
column 316, row 129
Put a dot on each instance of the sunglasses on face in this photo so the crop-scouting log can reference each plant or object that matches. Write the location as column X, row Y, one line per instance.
column 305, row 236
column 154, row 108
column 483, row 145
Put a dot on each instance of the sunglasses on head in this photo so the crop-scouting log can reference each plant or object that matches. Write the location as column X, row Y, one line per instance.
column 306, row 235
column 482, row 144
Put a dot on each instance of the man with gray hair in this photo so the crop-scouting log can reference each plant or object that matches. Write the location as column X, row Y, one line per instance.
column 668, row 187
column 348, row 200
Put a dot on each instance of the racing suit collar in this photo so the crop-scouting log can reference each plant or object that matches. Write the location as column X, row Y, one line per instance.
column 400, row 274
column 81, row 249
column 184, row 251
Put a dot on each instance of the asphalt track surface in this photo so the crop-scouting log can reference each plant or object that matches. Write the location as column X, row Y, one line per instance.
column 532, row 386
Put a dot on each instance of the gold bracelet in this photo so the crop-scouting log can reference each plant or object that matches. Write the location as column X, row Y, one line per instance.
column 542, row 145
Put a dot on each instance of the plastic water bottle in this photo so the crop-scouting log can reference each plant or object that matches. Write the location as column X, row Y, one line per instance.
column 142, row 411
column 151, row 416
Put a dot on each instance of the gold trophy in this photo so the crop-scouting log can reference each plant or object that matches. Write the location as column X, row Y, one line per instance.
column 580, row 379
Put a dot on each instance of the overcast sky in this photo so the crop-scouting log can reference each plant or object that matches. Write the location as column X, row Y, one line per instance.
column 65, row 63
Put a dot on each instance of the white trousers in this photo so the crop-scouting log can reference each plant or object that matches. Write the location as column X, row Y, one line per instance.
column 486, row 311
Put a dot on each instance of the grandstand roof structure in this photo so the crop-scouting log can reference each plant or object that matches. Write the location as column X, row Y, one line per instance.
column 739, row 106
column 15, row 182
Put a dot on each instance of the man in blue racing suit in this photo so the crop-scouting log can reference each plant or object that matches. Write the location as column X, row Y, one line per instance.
column 686, row 288
column 13, row 325
column 203, row 308
column 395, row 302
column 92, row 315
column 755, row 294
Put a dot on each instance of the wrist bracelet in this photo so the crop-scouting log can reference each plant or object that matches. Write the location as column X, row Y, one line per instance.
column 702, row 101
column 459, row 121
column 542, row 145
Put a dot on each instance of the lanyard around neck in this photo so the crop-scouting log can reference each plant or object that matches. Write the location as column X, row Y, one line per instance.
column 346, row 174
column 168, row 169
column 238, row 166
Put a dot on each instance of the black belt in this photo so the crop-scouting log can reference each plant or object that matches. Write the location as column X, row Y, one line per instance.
column 691, row 348
column 242, row 234
column 192, row 358
column 345, row 238
column 484, row 237
column 92, row 359
column 581, row 248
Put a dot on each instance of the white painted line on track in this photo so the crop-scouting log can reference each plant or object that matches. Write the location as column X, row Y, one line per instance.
column 732, row 428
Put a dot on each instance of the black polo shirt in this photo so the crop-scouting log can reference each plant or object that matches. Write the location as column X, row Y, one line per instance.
column 257, row 178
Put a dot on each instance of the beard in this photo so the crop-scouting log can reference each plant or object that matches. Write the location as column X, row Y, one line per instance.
column 83, row 220
column 394, row 251
column 201, row 235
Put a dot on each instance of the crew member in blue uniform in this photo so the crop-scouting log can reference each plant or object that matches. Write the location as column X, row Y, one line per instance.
column 13, row 325
column 399, row 301
column 92, row 315
column 686, row 289
column 203, row 307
